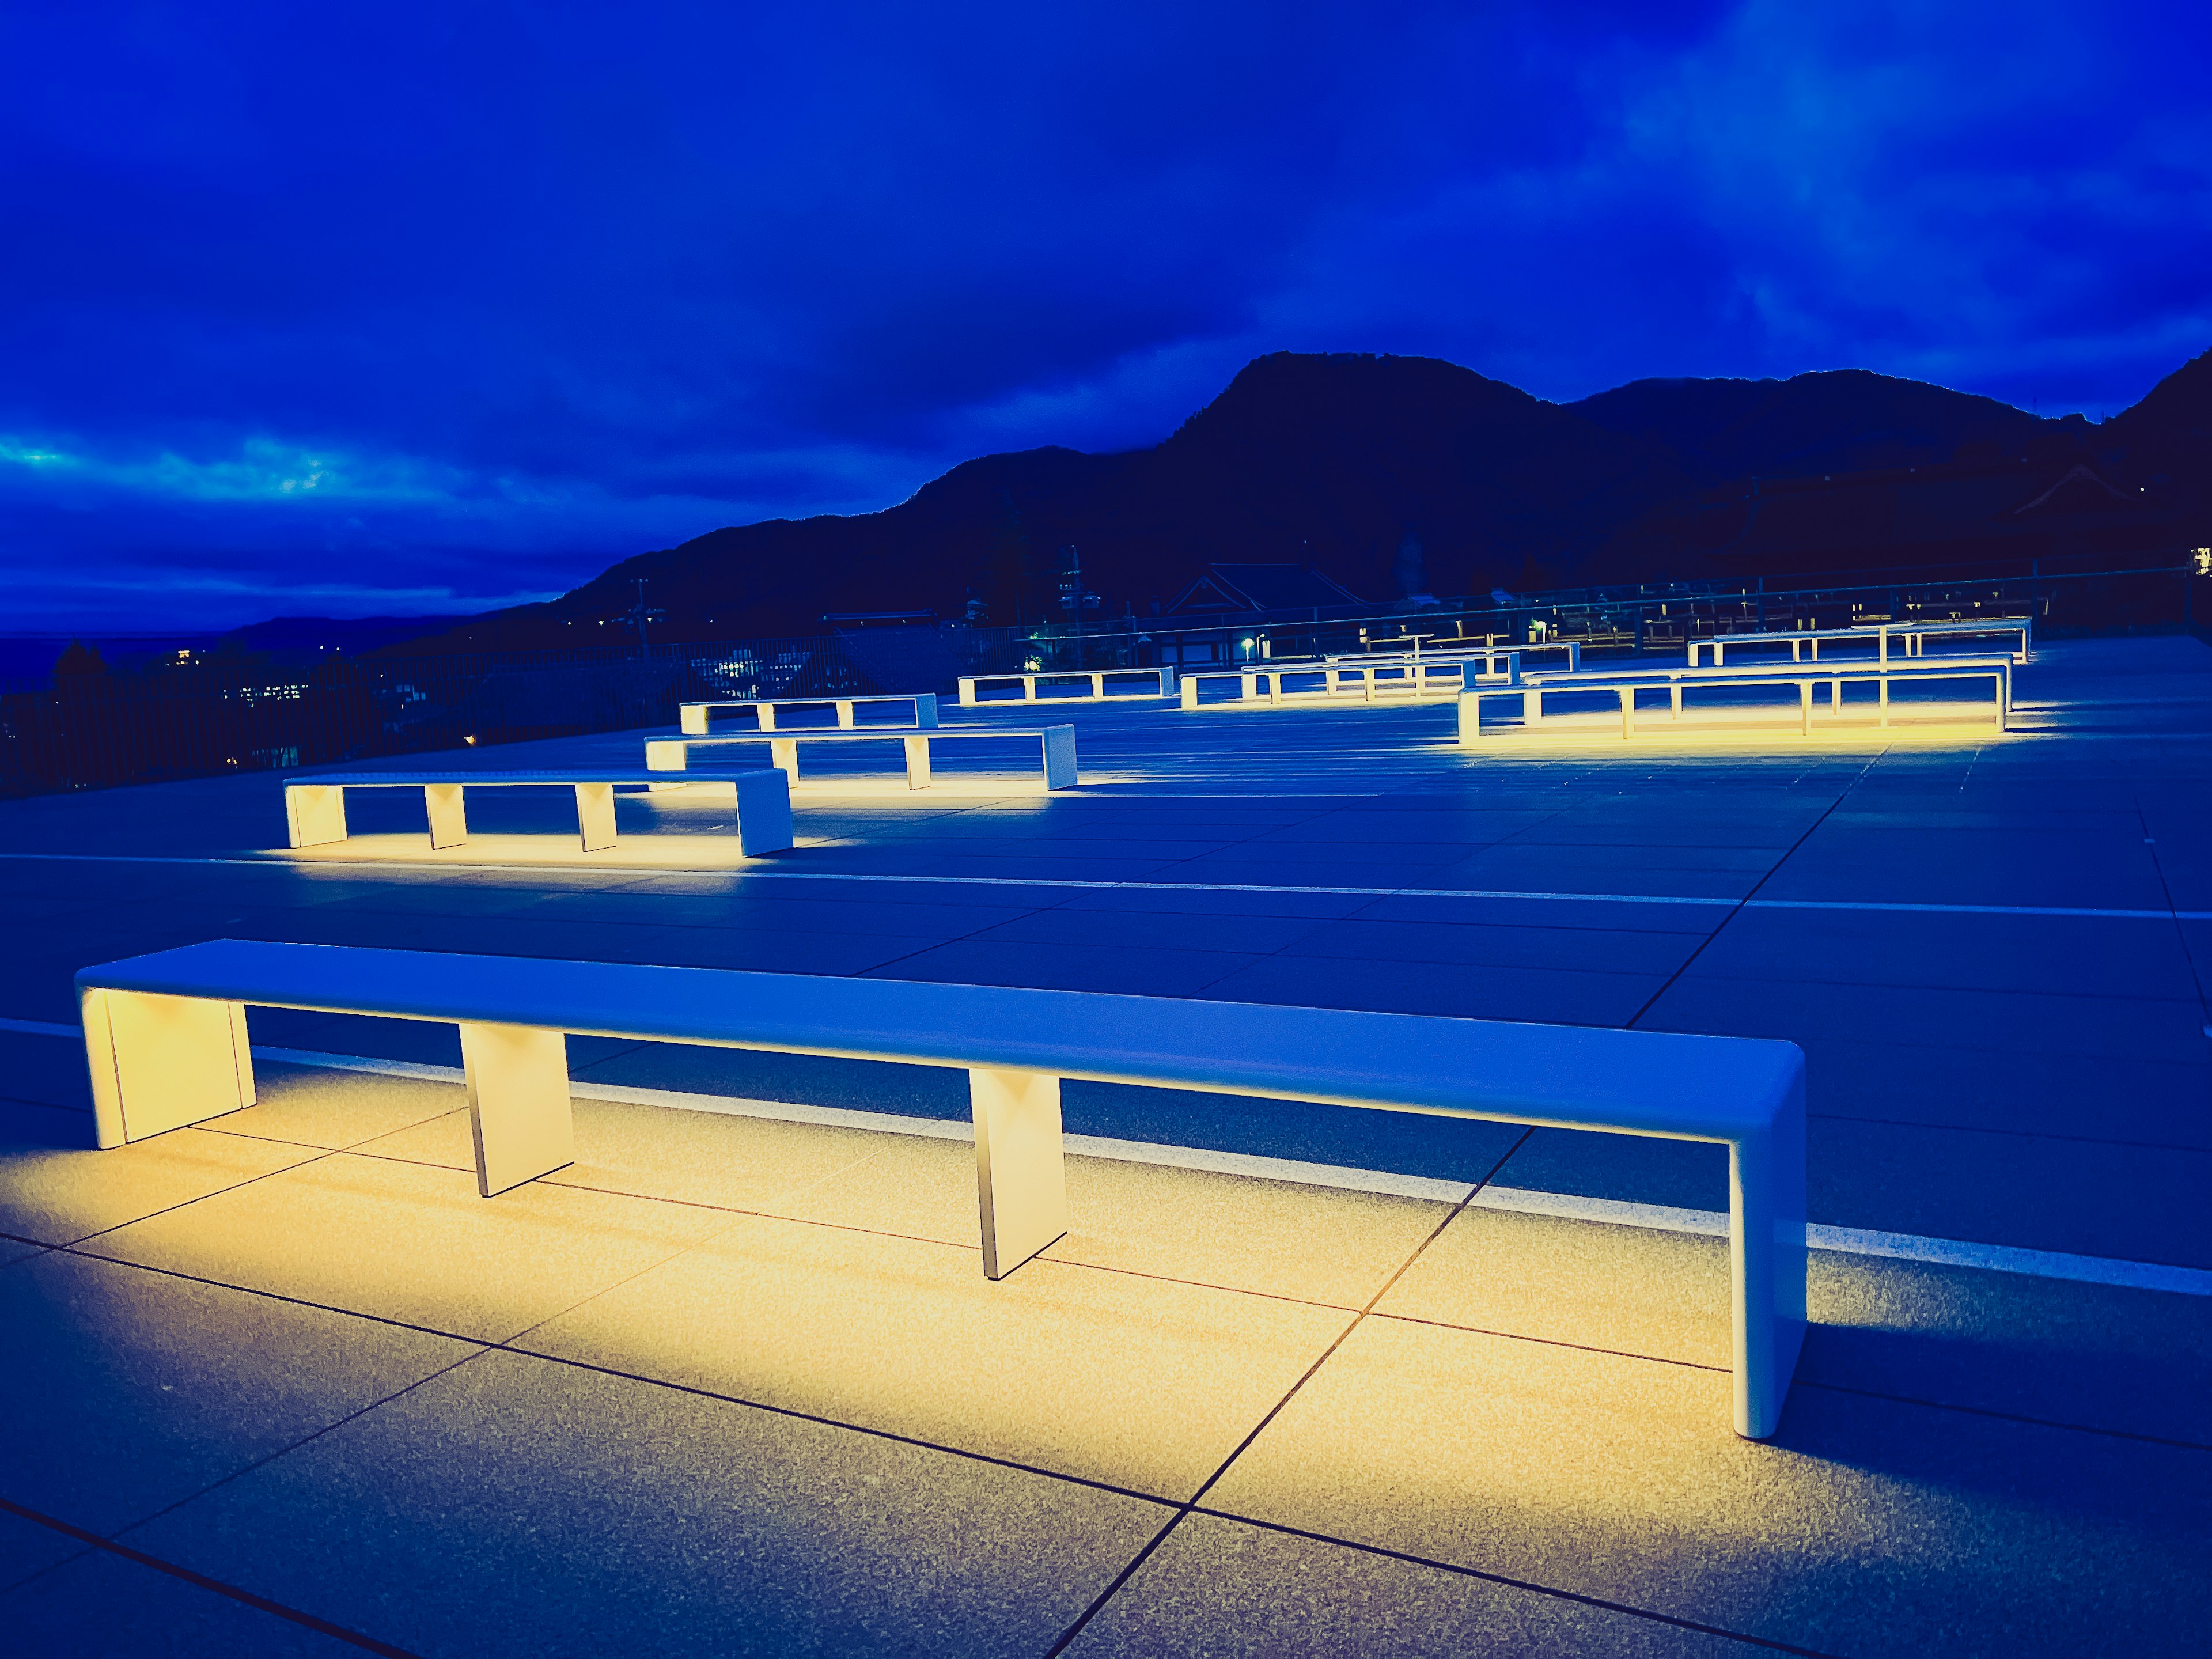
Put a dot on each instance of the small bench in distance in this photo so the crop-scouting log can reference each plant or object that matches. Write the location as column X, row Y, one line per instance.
column 165, row 1037
column 314, row 804
column 1149, row 684
column 691, row 718
column 1056, row 744
column 1626, row 683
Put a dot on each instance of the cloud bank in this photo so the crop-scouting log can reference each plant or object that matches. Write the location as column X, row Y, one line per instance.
column 427, row 307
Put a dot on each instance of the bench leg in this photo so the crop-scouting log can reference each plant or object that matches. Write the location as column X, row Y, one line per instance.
column 1836, row 697
column 1805, row 708
column 691, row 721
column 764, row 716
column 1470, row 718
column 918, row 774
column 1674, row 699
column 314, row 813
column 1532, row 707
column 519, row 1110
column 666, row 755
column 449, row 820
column 1627, row 712
column 1884, row 683
column 1059, row 757
column 764, row 799
column 1021, row 1179
column 1767, row 1260
column 595, row 815
column 160, row 1062
column 1188, row 694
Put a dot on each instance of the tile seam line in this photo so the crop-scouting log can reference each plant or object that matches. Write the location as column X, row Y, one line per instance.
column 1529, row 1585
column 1749, row 897
column 734, row 873
column 483, row 1345
column 1184, row 1511
column 215, row 1586
column 2118, row 1272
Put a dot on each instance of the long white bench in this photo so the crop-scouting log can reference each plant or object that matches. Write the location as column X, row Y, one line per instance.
column 1627, row 682
column 314, row 803
column 1366, row 682
column 691, row 718
column 1912, row 638
column 1394, row 677
column 165, row 1037
column 1151, row 684
column 1055, row 746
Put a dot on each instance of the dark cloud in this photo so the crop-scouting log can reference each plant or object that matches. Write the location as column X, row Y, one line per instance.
column 412, row 300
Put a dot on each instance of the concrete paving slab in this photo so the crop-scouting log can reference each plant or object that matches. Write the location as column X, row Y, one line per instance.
column 45, row 1071
column 1223, row 1587
column 102, row 1604
column 27, row 1548
column 532, row 1509
column 1868, row 1525
column 2086, row 1197
column 149, row 1388
column 1145, row 1384
column 414, row 1243
column 55, row 1188
column 317, row 1106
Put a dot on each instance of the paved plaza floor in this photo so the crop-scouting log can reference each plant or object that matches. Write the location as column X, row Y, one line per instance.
column 1300, row 1380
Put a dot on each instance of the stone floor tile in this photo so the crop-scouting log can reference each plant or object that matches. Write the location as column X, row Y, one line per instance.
column 1630, row 1289
column 1867, row 1526
column 518, row 1507
column 1141, row 1383
column 55, row 1188
column 686, row 1157
column 1278, row 1238
column 147, row 1388
column 410, row 1242
column 27, row 1548
column 102, row 1604
column 1224, row 1587
column 324, row 1106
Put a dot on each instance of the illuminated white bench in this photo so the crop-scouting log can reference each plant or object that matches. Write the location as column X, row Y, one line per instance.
column 692, row 717
column 1804, row 643
column 1625, row 684
column 1055, row 745
column 164, row 1036
column 1151, row 684
column 314, row 804
column 1380, row 676
column 1365, row 683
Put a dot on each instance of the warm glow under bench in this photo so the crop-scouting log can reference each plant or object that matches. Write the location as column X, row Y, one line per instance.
column 165, row 1038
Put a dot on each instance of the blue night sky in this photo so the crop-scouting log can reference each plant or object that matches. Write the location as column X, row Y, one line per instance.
column 400, row 307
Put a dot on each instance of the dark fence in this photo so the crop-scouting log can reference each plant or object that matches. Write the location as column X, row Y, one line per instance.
column 210, row 714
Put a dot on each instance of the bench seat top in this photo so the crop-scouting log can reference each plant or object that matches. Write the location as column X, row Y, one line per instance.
column 1852, row 668
column 1653, row 1083
column 565, row 774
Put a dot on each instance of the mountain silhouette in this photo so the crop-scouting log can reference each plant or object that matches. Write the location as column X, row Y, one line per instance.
column 1396, row 473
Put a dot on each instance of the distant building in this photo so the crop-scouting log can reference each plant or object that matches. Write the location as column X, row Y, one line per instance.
column 1252, row 592
column 1255, row 589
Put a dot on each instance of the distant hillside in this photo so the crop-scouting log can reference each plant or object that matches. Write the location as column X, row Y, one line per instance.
column 1401, row 473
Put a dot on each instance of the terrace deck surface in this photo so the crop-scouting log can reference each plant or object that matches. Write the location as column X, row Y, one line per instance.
column 1300, row 1380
